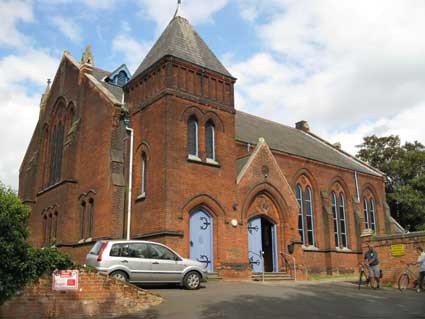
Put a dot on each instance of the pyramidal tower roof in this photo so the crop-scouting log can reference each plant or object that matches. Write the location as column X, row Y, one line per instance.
column 180, row 40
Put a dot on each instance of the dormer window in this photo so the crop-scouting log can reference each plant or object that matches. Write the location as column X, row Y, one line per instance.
column 119, row 77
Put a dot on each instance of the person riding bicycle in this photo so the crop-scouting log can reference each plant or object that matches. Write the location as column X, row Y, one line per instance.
column 421, row 263
column 371, row 259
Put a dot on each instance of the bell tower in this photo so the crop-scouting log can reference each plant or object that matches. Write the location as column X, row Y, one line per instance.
column 181, row 103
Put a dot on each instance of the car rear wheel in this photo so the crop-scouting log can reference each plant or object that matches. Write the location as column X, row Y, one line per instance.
column 120, row 275
column 192, row 280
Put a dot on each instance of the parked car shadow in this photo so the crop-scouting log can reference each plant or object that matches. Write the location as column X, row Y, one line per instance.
column 165, row 286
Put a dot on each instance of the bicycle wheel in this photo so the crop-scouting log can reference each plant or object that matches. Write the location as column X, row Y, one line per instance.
column 403, row 282
column 362, row 280
column 373, row 282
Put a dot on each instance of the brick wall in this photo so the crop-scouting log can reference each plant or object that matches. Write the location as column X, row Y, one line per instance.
column 393, row 266
column 98, row 296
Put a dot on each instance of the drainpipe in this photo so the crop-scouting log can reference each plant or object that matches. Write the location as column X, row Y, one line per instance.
column 130, row 172
column 130, row 181
column 357, row 185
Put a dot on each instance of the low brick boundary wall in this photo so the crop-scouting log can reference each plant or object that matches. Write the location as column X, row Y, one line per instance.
column 98, row 296
column 393, row 266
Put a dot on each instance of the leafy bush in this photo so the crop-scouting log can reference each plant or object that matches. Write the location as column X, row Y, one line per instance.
column 46, row 260
column 14, row 250
column 19, row 262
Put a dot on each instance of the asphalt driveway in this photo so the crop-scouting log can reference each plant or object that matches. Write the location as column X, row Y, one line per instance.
column 285, row 300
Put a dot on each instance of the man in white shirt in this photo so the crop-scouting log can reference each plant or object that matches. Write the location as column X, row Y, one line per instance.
column 421, row 263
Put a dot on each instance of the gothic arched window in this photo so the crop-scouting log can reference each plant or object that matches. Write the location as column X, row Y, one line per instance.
column 192, row 136
column 309, row 215
column 342, row 220
column 83, row 219
column 300, row 212
column 335, row 219
column 305, row 215
column 372, row 215
column 369, row 213
column 210, row 140
column 143, row 175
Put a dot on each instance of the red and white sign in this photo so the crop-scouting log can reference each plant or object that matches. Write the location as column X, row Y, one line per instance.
column 65, row 280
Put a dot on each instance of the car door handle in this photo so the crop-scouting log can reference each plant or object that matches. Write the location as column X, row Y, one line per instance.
column 155, row 263
column 124, row 261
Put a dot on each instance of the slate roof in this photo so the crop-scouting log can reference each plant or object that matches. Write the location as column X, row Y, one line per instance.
column 240, row 163
column 100, row 75
column 250, row 128
column 180, row 40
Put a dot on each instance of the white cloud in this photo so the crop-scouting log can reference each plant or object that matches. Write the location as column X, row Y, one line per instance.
column 12, row 12
column 68, row 27
column 338, row 64
column 19, row 108
column 133, row 51
column 94, row 4
column 161, row 11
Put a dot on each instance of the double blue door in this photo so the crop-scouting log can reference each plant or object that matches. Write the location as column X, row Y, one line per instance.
column 255, row 245
column 201, row 238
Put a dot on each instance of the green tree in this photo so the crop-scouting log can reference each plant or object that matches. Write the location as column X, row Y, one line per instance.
column 404, row 166
column 20, row 263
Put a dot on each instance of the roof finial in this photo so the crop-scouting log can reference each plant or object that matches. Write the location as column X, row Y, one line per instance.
column 179, row 2
column 87, row 56
column 48, row 85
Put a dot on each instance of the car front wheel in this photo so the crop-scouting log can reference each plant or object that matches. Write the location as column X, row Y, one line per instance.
column 192, row 280
column 120, row 275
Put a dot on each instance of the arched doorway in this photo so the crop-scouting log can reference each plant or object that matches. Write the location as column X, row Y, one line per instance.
column 201, row 238
column 262, row 245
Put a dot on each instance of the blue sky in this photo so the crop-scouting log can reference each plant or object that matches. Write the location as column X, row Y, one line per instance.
column 351, row 68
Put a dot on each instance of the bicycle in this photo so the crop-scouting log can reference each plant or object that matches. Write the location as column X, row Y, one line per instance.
column 404, row 279
column 364, row 278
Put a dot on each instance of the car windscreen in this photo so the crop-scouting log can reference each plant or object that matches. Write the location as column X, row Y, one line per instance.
column 96, row 248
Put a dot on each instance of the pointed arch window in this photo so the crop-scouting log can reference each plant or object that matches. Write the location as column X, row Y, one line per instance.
column 300, row 212
column 83, row 219
column 45, row 237
column 369, row 213
column 305, row 215
column 91, row 218
column 335, row 219
column 56, row 154
column 339, row 219
column 309, row 215
column 210, row 140
column 143, row 173
column 342, row 220
column 192, row 136
column 366, row 213
column 372, row 215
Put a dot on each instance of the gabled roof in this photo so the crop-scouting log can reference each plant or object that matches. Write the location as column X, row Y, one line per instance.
column 100, row 75
column 180, row 40
column 296, row 142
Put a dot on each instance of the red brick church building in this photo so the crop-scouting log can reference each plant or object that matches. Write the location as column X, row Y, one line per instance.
column 167, row 145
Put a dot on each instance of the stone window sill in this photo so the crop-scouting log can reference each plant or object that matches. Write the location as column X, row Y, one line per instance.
column 141, row 196
column 310, row 247
column 211, row 161
column 193, row 158
column 208, row 161
column 85, row 240
column 342, row 250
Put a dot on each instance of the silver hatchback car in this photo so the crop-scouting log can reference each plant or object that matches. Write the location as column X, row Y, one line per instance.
column 139, row 261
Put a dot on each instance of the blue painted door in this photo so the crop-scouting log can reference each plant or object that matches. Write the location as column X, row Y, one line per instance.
column 255, row 246
column 201, row 238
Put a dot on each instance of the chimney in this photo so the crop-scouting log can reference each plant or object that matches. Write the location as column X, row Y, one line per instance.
column 337, row 145
column 303, row 126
